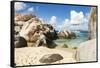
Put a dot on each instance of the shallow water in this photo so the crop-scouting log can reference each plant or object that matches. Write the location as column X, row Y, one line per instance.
column 81, row 36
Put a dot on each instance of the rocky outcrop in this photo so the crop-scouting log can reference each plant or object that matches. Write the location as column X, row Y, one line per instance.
column 50, row 58
column 20, row 19
column 92, row 23
column 23, row 17
column 87, row 51
column 66, row 34
column 30, row 30
column 34, row 30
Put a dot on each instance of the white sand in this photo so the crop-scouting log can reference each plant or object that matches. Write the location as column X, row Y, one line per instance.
column 31, row 55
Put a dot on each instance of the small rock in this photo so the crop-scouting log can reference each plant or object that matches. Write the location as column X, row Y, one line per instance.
column 50, row 58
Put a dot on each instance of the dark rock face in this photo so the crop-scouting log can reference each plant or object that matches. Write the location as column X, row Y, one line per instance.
column 50, row 44
column 50, row 58
column 51, row 33
column 20, row 42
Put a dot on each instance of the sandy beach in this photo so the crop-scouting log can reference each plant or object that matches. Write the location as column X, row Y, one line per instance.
column 31, row 55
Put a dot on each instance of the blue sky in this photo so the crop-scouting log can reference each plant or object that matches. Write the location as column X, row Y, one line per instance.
column 67, row 16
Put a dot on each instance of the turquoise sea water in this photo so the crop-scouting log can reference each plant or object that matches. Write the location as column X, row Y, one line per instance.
column 81, row 36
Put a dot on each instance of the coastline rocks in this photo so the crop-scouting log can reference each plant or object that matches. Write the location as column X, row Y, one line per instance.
column 49, row 31
column 41, row 40
column 20, row 42
column 19, row 23
column 50, row 58
column 30, row 28
column 92, row 23
column 87, row 51
column 17, row 28
column 23, row 17
column 33, row 28
column 20, row 20
column 66, row 34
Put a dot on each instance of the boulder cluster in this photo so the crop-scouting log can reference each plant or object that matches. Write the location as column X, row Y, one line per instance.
column 66, row 34
column 33, row 30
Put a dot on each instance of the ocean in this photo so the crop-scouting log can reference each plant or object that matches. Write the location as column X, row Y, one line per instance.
column 81, row 36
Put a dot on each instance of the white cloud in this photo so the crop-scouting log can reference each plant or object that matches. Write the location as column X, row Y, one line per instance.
column 31, row 9
column 20, row 6
column 65, row 24
column 53, row 21
column 77, row 21
column 76, row 17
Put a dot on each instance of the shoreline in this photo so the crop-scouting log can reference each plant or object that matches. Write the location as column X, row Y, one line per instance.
column 31, row 55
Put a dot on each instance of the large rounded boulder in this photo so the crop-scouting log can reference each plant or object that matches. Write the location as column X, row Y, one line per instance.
column 20, row 42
